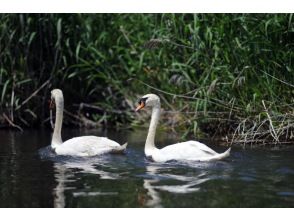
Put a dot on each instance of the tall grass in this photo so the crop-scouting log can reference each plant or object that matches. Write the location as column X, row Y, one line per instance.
column 218, row 75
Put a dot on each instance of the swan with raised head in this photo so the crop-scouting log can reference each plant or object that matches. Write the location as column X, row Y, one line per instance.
column 185, row 151
column 78, row 146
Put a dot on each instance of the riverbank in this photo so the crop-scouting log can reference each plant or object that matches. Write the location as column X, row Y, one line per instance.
column 225, row 76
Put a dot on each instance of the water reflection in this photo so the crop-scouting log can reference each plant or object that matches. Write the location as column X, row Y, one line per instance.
column 162, row 178
column 22, row 180
column 249, row 178
column 66, row 170
column 158, row 174
column 61, row 176
column 153, row 197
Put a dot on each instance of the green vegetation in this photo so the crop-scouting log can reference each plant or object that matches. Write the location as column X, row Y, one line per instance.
column 219, row 75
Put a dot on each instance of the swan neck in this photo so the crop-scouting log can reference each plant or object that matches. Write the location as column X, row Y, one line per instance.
column 56, row 138
column 150, row 144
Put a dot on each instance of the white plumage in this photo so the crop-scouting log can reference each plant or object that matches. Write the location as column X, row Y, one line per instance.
column 189, row 150
column 79, row 146
column 88, row 146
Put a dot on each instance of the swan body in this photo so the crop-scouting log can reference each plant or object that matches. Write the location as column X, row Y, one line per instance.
column 89, row 146
column 78, row 146
column 184, row 151
column 189, row 150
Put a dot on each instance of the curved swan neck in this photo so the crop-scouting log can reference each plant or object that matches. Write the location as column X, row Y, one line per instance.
column 149, row 145
column 56, row 138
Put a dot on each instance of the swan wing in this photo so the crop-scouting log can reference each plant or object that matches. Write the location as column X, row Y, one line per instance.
column 189, row 150
column 200, row 146
column 87, row 146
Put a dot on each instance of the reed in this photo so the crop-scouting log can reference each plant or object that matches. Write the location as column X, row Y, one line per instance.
column 227, row 76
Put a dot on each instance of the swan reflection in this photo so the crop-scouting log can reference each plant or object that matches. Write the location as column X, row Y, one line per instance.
column 65, row 174
column 156, row 174
column 159, row 179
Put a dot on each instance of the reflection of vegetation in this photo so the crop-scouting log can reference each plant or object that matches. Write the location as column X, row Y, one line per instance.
column 106, row 193
column 233, row 74
column 23, row 182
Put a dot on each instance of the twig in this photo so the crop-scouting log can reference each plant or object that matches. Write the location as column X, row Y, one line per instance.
column 121, row 28
column 85, row 121
column 187, row 97
column 271, row 123
column 278, row 79
column 11, row 123
column 156, row 42
column 33, row 94
column 12, row 98
column 81, row 105
column 24, row 121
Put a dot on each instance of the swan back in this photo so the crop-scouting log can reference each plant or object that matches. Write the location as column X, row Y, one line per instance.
column 189, row 150
column 88, row 146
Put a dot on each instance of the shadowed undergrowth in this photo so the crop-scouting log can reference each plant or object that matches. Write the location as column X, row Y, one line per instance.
column 227, row 76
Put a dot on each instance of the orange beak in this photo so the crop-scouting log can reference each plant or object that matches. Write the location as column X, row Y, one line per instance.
column 142, row 105
column 51, row 104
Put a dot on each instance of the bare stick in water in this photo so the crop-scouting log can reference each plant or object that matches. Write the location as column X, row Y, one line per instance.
column 11, row 123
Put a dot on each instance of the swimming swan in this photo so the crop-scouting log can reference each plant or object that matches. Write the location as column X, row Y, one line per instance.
column 189, row 150
column 78, row 146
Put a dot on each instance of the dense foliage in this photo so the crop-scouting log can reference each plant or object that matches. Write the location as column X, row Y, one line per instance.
column 228, row 75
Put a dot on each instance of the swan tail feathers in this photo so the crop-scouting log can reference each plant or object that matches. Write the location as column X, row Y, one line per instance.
column 218, row 156
column 121, row 149
column 124, row 146
column 225, row 154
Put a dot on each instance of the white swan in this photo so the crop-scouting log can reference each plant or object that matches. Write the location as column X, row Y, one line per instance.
column 78, row 146
column 189, row 150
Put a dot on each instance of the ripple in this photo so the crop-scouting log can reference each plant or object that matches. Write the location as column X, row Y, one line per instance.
column 87, row 194
column 285, row 170
column 285, row 193
column 247, row 179
column 177, row 188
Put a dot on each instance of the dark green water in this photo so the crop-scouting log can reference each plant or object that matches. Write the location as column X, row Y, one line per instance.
column 249, row 178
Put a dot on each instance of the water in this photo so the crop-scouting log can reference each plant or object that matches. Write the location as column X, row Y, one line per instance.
column 249, row 178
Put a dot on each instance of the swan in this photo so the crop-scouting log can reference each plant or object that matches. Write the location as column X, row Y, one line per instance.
column 78, row 146
column 185, row 151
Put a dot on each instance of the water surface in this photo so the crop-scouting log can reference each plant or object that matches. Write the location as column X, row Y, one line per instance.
column 249, row 178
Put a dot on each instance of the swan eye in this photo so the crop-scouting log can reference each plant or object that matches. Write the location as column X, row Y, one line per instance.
column 142, row 100
column 142, row 103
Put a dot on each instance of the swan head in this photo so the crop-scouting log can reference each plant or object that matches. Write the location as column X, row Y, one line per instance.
column 149, row 100
column 56, row 98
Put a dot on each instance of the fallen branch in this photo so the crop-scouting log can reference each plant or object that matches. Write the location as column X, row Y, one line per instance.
column 86, row 122
column 11, row 123
column 32, row 95
column 81, row 105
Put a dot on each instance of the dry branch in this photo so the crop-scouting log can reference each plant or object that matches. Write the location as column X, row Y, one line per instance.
column 11, row 123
